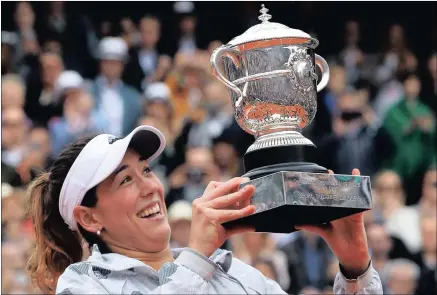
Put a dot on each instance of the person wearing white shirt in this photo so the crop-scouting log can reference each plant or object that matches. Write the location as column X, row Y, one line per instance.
column 119, row 102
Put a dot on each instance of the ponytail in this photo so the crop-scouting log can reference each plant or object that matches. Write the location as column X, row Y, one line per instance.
column 56, row 246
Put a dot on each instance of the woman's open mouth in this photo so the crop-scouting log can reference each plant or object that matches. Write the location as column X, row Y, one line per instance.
column 150, row 212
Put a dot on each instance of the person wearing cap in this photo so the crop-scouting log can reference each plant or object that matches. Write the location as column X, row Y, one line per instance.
column 118, row 101
column 79, row 118
column 179, row 218
column 186, row 39
column 158, row 112
column 157, row 102
column 102, row 189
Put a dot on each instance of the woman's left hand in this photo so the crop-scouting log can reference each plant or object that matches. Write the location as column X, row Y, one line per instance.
column 347, row 239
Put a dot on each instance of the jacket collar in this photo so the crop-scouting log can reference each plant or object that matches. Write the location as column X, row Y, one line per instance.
column 118, row 262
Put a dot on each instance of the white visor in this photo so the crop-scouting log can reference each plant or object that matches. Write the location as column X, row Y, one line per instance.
column 98, row 159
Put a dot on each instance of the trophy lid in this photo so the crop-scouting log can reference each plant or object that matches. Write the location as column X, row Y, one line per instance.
column 272, row 31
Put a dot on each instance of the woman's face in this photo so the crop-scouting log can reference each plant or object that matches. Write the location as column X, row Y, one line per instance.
column 126, row 202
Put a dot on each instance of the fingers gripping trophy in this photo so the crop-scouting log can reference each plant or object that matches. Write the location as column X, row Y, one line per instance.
column 271, row 73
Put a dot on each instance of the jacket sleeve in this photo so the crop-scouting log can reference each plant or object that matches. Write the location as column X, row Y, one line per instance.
column 188, row 274
column 368, row 283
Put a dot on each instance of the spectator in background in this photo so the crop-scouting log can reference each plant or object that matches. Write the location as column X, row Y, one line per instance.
column 206, row 119
column 185, row 82
column 428, row 200
column 15, row 128
column 213, row 45
column 210, row 118
column 16, row 242
column 188, row 180
column 119, row 103
column 16, row 278
column 380, row 246
column 9, row 40
column 405, row 221
column 10, row 176
column 145, row 60
column 37, row 155
column 179, row 218
column 402, row 276
column 62, row 29
column 388, row 95
column 186, row 40
column 352, row 56
column 13, row 92
column 159, row 108
column 396, row 56
column 251, row 247
column 429, row 91
column 158, row 112
column 226, row 156
column 39, row 137
column 389, row 193
column 327, row 108
column 308, row 260
column 27, row 47
column 216, row 116
column 80, row 117
column 130, row 33
column 390, row 200
column 426, row 259
column 41, row 105
column 411, row 126
column 355, row 138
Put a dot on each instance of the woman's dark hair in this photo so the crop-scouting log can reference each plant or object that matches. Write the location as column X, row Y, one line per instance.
column 56, row 246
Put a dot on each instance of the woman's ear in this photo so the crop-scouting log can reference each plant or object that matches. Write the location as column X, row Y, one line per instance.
column 86, row 217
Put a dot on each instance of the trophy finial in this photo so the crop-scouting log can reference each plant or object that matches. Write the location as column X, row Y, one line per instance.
column 264, row 17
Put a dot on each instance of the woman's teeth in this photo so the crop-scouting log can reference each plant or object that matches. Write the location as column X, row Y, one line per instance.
column 149, row 211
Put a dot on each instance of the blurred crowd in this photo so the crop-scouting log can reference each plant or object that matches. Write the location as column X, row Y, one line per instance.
column 66, row 78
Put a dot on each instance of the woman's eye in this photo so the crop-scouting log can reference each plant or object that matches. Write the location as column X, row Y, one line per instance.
column 147, row 170
column 126, row 180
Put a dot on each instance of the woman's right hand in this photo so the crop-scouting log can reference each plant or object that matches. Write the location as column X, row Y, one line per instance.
column 221, row 202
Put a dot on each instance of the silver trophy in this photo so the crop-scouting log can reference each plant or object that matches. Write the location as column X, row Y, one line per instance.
column 271, row 72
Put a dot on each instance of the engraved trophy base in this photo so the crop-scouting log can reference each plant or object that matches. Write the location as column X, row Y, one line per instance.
column 297, row 193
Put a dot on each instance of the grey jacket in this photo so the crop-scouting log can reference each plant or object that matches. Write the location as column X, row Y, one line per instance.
column 190, row 273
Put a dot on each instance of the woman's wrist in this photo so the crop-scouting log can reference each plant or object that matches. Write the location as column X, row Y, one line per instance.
column 200, row 250
column 356, row 268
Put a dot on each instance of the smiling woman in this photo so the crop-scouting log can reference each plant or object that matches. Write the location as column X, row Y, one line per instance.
column 101, row 189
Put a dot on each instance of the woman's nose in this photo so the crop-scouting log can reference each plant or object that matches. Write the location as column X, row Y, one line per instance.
column 148, row 184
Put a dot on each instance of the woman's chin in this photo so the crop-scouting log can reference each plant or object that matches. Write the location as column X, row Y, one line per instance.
column 159, row 233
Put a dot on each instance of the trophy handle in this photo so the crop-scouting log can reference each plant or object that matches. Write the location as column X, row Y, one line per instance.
column 323, row 65
column 215, row 60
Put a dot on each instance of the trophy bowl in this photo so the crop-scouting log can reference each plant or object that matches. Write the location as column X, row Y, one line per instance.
column 271, row 70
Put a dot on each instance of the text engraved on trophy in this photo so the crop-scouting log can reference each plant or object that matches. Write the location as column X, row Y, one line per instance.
column 334, row 196
column 323, row 189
